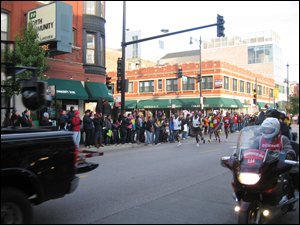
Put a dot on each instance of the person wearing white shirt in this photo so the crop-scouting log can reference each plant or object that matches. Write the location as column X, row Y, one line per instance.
column 177, row 128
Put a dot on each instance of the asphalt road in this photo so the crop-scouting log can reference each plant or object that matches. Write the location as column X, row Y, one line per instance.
column 153, row 184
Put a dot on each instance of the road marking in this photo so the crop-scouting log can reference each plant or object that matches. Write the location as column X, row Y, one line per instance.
column 233, row 146
column 211, row 150
column 83, row 176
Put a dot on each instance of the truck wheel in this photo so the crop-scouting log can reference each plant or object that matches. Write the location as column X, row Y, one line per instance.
column 15, row 207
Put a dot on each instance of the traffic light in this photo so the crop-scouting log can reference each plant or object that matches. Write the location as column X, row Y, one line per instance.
column 254, row 96
column 119, row 85
column 199, row 77
column 119, row 68
column 108, row 82
column 179, row 73
column 220, row 26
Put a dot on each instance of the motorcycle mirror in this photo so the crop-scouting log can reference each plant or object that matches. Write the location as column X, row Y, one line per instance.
column 227, row 161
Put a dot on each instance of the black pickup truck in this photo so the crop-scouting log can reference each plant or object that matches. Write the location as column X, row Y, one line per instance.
column 37, row 164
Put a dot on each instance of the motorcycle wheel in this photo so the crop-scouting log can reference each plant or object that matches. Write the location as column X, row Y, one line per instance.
column 250, row 217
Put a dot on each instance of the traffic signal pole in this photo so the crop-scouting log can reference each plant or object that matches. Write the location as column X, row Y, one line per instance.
column 124, row 44
column 123, row 60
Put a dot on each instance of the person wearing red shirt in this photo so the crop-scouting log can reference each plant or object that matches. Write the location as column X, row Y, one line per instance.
column 215, row 121
column 234, row 122
column 76, row 122
column 226, row 120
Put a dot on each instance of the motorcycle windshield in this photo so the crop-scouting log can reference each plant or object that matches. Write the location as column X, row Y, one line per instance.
column 248, row 149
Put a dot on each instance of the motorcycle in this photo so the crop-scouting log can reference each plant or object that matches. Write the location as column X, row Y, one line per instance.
column 261, row 180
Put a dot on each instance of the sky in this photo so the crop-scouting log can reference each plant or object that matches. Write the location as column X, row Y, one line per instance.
column 240, row 17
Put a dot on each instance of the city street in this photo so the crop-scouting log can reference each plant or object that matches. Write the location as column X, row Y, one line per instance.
column 154, row 184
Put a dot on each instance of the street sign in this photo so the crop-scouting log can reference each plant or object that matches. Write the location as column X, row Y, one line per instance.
column 118, row 101
column 184, row 78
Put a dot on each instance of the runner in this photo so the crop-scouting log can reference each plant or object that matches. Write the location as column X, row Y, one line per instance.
column 211, row 125
column 196, row 127
column 177, row 128
column 216, row 122
column 226, row 121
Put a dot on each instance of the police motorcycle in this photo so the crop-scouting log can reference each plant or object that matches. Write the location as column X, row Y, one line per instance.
column 261, row 182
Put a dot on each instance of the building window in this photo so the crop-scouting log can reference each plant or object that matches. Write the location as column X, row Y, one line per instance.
column 4, row 27
column 260, row 54
column 102, row 9
column 226, row 83
column 207, row 82
column 74, row 37
column 146, row 86
column 259, row 90
column 234, row 84
column 172, row 85
column 271, row 93
column 161, row 45
column 242, row 87
column 102, row 50
column 90, row 48
column 130, row 87
column 189, row 84
column 159, row 84
column 248, row 88
column 135, row 47
column 90, row 7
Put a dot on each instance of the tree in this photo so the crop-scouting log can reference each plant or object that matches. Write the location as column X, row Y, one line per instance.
column 294, row 101
column 27, row 53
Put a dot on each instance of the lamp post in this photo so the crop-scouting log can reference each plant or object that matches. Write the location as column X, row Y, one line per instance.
column 200, row 75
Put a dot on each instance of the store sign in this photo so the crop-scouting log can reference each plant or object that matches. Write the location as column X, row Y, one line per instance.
column 66, row 92
column 44, row 19
column 118, row 101
column 218, row 83
column 54, row 23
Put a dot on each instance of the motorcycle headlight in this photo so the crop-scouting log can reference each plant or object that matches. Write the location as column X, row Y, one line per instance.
column 248, row 178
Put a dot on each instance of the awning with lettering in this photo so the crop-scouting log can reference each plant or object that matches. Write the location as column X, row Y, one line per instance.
column 68, row 89
column 261, row 105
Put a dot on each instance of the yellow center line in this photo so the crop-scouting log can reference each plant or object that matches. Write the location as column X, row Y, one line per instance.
column 83, row 176
column 211, row 150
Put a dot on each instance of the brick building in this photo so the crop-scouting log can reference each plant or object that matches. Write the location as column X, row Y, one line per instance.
column 225, row 86
column 259, row 52
column 78, row 74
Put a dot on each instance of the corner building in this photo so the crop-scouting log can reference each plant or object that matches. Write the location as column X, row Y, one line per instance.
column 79, row 75
column 225, row 86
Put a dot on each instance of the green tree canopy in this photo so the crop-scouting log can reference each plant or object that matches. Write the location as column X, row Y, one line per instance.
column 294, row 101
column 27, row 53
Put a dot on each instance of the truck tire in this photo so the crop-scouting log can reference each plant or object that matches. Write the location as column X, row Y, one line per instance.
column 15, row 207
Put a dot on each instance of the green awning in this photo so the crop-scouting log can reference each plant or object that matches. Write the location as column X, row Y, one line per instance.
column 240, row 105
column 261, row 105
column 96, row 91
column 222, row 103
column 165, row 103
column 68, row 89
column 130, row 104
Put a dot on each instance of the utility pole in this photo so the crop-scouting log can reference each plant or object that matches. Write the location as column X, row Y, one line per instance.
column 287, row 89
column 200, row 88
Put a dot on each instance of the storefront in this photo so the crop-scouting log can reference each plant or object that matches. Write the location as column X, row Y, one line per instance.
column 169, row 106
column 68, row 93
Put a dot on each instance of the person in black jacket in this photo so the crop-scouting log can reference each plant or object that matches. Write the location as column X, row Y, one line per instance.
column 106, row 109
column 25, row 120
column 45, row 120
column 87, row 127
column 15, row 118
column 62, row 120
column 98, row 130
column 70, row 116
column 123, row 127
column 99, row 106
column 7, row 121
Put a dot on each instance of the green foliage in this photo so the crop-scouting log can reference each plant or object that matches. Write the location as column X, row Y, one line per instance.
column 294, row 101
column 27, row 53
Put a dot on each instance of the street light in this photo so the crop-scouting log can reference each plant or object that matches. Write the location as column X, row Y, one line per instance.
column 200, row 75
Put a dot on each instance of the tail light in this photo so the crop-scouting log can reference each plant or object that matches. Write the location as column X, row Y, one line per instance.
column 75, row 156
